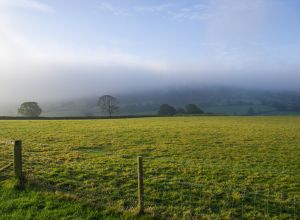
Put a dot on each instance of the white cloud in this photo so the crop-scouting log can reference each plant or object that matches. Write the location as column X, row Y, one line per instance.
column 16, row 48
column 114, row 10
column 131, row 11
column 172, row 10
column 153, row 8
column 195, row 12
column 25, row 4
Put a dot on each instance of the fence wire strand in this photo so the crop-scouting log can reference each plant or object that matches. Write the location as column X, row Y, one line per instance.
column 6, row 157
column 166, row 192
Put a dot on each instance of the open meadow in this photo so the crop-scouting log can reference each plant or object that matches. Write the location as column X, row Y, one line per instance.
column 194, row 168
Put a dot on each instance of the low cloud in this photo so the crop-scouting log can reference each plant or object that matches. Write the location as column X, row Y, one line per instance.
column 232, row 57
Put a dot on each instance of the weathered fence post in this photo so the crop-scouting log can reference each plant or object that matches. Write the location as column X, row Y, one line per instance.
column 140, row 186
column 18, row 160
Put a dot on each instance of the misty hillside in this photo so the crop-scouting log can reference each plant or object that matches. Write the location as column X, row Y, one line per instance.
column 229, row 101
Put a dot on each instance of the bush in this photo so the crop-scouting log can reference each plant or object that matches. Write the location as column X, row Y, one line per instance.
column 193, row 109
column 166, row 109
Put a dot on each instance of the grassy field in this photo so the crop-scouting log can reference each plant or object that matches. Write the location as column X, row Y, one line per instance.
column 195, row 168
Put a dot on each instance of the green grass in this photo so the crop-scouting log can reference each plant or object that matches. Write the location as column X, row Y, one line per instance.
column 195, row 167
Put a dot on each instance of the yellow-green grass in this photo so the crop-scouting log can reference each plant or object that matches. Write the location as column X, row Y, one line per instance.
column 195, row 167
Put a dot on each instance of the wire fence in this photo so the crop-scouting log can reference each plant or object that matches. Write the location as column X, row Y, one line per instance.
column 170, row 191
column 6, row 157
column 170, row 194
column 195, row 200
column 114, row 187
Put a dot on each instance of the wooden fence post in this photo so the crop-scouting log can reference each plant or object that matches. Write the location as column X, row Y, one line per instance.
column 18, row 160
column 140, row 186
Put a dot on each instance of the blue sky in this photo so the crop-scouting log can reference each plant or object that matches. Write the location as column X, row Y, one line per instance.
column 88, row 47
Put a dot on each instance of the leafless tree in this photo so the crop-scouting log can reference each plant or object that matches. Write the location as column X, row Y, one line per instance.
column 108, row 104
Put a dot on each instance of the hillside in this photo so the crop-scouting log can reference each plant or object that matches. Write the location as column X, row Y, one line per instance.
column 225, row 100
column 229, row 101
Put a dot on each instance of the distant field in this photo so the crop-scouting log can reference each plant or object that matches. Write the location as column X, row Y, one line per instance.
column 242, row 109
column 218, row 109
column 195, row 167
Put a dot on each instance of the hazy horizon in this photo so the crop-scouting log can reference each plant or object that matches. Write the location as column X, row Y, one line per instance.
column 57, row 50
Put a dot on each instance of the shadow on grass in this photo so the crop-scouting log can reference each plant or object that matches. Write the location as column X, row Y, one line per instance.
column 64, row 192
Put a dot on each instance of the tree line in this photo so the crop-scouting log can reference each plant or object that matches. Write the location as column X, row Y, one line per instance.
column 192, row 109
column 109, row 105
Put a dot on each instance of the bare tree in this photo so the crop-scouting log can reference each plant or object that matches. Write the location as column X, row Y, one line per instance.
column 108, row 104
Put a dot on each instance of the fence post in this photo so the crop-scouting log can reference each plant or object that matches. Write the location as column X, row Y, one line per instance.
column 140, row 185
column 18, row 160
